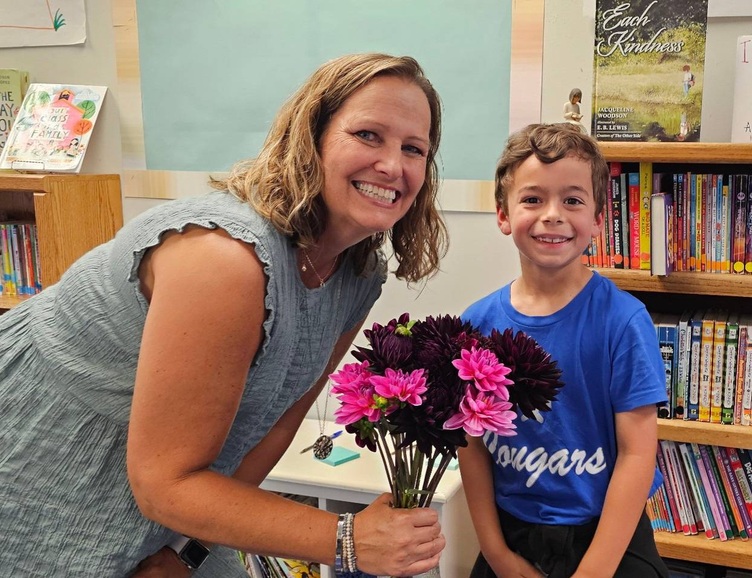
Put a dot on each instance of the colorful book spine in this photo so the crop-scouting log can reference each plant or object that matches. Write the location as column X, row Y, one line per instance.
column 699, row 223
column 617, row 233
column 729, row 369
column 689, row 524
column 739, row 220
column 726, row 227
column 682, row 366
column 646, row 190
column 710, row 501
column 694, row 480
column 741, row 360
column 717, row 379
column 733, row 494
column 748, row 240
column 671, row 491
column 706, row 365
column 743, row 371
column 633, row 191
column 693, row 400
column 724, row 523
column 623, row 186
column 744, row 487
column 667, row 344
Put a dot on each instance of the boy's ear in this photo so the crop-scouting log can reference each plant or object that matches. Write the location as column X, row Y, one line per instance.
column 503, row 221
column 597, row 225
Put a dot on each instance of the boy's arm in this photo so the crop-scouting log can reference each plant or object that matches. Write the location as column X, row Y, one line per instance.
column 477, row 481
column 636, row 439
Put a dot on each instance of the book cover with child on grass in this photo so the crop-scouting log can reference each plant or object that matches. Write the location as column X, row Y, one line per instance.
column 649, row 58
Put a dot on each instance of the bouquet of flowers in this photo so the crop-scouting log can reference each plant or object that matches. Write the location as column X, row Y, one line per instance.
column 422, row 386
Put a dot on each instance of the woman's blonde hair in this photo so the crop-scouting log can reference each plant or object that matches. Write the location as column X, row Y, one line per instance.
column 284, row 183
column 550, row 143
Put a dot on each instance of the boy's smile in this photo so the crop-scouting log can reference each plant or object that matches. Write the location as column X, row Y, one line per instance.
column 551, row 212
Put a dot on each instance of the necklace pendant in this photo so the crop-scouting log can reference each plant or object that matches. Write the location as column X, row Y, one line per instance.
column 322, row 447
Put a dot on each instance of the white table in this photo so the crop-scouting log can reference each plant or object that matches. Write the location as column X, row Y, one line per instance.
column 355, row 484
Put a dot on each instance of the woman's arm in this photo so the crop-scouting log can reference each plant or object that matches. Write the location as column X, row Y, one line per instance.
column 637, row 439
column 477, row 481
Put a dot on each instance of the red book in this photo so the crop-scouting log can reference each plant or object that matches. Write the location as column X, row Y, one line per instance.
column 741, row 479
column 670, row 490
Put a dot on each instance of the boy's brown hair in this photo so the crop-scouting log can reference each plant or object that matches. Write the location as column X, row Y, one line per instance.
column 550, row 143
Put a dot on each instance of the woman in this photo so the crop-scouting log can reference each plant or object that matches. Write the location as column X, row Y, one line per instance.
column 149, row 393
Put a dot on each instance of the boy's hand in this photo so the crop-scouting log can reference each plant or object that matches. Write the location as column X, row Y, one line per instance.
column 163, row 563
column 512, row 565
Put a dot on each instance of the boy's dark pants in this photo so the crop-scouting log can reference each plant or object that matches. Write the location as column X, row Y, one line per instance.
column 557, row 550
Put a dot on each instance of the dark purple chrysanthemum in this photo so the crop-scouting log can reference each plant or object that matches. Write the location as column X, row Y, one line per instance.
column 437, row 341
column 535, row 375
column 391, row 346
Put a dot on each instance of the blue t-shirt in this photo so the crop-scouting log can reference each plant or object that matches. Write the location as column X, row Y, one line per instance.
column 557, row 471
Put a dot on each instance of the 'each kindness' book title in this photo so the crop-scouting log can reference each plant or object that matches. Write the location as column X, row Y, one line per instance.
column 649, row 58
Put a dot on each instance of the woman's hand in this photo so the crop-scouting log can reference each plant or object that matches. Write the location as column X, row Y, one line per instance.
column 396, row 541
column 163, row 563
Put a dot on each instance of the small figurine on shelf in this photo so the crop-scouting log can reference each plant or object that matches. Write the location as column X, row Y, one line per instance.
column 572, row 109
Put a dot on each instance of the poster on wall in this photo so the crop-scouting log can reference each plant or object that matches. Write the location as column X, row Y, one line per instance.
column 649, row 59
column 42, row 23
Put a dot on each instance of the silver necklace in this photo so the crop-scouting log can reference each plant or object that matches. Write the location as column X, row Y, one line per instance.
column 322, row 447
column 321, row 279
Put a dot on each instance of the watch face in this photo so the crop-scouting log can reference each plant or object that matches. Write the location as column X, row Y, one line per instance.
column 194, row 553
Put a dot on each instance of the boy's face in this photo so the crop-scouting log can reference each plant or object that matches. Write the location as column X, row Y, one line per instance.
column 551, row 212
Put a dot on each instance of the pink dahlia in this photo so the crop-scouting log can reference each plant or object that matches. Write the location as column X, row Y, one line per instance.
column 483, row 413
column 482, row 367
column 407, row 387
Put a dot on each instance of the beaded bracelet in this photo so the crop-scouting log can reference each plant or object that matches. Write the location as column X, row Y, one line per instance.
column 345, row 561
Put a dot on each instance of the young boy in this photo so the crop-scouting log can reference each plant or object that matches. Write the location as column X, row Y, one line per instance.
column 566, row 495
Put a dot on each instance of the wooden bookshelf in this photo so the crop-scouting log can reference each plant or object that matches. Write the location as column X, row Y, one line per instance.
column 73, row 213
column 678, row 291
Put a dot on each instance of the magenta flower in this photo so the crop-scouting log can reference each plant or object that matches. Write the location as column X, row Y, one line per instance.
column 407, row 387
column 351, row 378
column 483, row 413
column 482, row 367
column 356, row 405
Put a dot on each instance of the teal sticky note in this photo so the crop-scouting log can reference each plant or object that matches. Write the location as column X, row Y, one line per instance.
column 339, row 456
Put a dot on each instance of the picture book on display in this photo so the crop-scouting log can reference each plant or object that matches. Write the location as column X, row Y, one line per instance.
column 53, row 128
column 648, row 64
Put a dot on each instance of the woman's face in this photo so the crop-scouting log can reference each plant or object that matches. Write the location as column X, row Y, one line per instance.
column 373, row 154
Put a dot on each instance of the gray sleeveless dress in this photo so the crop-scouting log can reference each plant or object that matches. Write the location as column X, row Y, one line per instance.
column 67, row 364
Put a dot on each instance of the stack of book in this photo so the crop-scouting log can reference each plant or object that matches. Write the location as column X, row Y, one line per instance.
column 708, row 361
column 706, row 490
column 705, row 222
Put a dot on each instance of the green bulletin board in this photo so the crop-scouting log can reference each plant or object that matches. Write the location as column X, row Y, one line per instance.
column 213, row 74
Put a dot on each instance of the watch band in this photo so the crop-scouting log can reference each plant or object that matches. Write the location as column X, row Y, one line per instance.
column 190, row 551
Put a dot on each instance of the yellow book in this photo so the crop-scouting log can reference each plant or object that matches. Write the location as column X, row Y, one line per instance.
column 646, row 190
column 13, row 85
column 706, row 364
column 719, row 350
